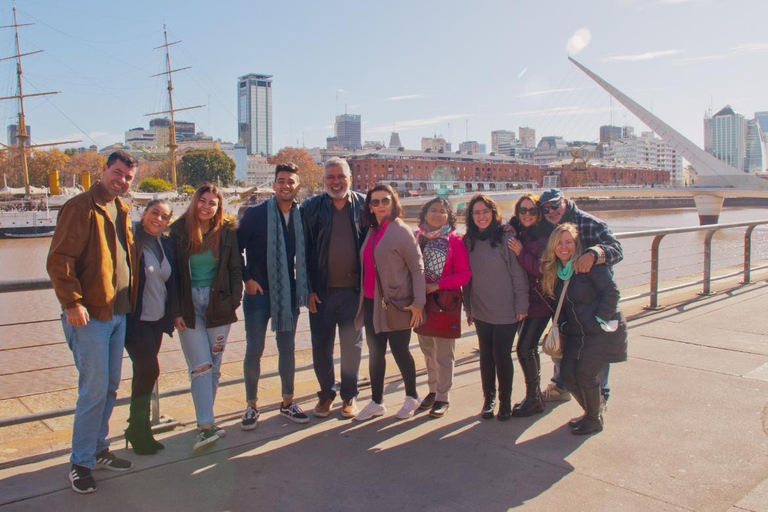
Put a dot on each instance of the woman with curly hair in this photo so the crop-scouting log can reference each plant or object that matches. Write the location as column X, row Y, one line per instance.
column 209, row 292
column 495, row 299
column 593, row 326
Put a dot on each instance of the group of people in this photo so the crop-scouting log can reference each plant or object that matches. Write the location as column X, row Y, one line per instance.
column 355, row 265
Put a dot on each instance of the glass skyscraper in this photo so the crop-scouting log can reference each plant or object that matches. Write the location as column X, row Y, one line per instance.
column 725, row 137
column 254, row 113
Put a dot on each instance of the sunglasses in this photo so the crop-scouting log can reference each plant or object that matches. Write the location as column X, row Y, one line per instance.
column 550, row 207
column 385, row 201
column 529, row 211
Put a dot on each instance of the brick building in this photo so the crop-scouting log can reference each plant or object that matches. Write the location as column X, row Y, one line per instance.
column 424, row 172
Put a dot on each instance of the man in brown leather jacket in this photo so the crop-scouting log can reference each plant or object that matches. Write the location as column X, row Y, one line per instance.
column 89, row 263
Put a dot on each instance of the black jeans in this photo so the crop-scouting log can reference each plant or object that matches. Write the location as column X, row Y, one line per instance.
column 496, row 357
column 338, row 306
column 581, row 378
column 143, row 347
column 528, row 351
column 377, row 353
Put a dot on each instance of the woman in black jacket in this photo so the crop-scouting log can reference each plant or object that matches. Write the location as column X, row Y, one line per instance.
column 593, row 326
column 152, row 316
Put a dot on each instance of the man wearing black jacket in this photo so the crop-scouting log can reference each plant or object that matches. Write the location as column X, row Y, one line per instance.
column 333, row 237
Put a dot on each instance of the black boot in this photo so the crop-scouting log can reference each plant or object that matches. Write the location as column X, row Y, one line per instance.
column 592, row 422
column 150, row 438
column 139, row 431
column 505, row 406
column 533, row 403
column 489, row 403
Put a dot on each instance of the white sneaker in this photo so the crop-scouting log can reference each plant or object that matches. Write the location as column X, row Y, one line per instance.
column 371, row 410
column 409, row 406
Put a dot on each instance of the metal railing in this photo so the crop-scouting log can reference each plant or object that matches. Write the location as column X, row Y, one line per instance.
column 654, row 292
column 706, row 281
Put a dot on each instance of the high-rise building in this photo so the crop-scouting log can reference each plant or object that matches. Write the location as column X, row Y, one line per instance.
column 608, row 132
column 161, row 127
column 725, row 137
column 647, row 150
column 254, row 113
column 13, row 130
column 435, row 144
column 762, row 120
column 754, row 161
column 140, row 138
column 527, row 137
column 502, row 141
column 347, row 132
column 185, row 130
column 627, row 132
column 470, row 146
column 394, row 141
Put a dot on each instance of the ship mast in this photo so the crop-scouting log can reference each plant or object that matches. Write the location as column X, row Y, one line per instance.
column 171, row 111
column 21, row 133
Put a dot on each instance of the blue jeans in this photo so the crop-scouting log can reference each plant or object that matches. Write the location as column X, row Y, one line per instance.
column 602, row 378
column 97, row 348
column 256, row 310
column 203, row 349
column 338, row 306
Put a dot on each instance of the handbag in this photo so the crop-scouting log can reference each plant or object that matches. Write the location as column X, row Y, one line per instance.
column 552, row 342
column 443, row 310
column 396, row 315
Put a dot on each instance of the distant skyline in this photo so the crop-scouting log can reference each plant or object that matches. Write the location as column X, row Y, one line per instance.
column 418, row 68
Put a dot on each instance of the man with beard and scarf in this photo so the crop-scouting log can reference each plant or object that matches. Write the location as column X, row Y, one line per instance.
column 275, row 276
column 333, row 238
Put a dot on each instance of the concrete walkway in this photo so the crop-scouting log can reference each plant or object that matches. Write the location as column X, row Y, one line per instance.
column 685, row 430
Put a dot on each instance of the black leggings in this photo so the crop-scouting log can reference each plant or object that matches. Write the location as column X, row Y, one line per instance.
column 528, row 348
column 143, row 347
column 496, row 357
column 399, row 342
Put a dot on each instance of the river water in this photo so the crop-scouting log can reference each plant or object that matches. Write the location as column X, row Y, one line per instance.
column 681, row 255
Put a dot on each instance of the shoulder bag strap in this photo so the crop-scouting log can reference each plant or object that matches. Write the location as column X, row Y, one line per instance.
column 560, row 302
column 376, row 269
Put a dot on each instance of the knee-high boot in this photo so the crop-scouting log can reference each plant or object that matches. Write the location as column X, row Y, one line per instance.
column 533, row 402
column 592, row 422
column 138, row 433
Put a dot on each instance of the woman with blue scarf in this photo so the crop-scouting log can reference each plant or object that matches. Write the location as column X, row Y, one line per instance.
column 593, row 326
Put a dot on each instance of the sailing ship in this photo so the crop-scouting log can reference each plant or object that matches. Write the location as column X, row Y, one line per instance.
column 26, row 212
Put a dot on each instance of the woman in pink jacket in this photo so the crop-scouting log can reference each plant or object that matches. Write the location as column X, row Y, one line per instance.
column 446, row 267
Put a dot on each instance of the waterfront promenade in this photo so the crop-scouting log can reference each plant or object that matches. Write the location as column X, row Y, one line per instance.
column 685, row 430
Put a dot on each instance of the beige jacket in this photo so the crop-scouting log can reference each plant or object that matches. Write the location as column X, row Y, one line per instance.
column 401, row 269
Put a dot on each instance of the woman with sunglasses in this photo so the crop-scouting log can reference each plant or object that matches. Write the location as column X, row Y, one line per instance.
column 446, row 267
column 392, row 276
column 594, row 327
column 495, row 299
column 152, row 316
column 528, row 245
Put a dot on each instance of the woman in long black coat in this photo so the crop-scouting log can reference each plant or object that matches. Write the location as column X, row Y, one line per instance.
column 593, row 326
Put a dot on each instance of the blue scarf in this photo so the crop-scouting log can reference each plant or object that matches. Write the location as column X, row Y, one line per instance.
column 565, row 272
column 279, row 280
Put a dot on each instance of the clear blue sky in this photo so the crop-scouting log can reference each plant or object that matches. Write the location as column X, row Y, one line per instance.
column 413, row 65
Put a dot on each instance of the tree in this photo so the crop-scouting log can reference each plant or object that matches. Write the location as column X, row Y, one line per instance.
column 79, row 163
column 209, row 165
column 186, row 189
column 310, row 173
column 154, row 185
